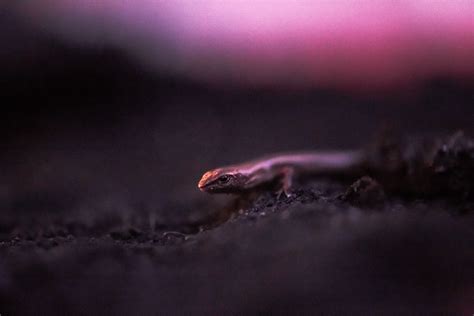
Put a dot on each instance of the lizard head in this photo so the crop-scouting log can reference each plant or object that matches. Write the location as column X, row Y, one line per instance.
column 221, row 181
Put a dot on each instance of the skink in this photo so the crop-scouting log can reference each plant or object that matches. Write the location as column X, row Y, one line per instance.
column 283, row 168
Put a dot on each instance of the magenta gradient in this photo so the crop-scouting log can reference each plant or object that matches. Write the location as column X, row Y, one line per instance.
column 344, row 43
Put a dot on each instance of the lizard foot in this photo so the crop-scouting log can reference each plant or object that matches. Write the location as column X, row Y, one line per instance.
column 286, row 182
column 281, row 192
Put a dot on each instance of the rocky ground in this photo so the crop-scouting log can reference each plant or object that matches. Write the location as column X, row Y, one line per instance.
column 308, row 253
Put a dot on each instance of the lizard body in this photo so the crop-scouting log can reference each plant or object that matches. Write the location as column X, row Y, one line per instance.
column 249, row 175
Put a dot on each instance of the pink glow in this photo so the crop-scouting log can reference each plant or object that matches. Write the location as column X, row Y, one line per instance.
column 349, row 43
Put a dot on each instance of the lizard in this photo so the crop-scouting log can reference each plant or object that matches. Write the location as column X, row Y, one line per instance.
column 279, row 168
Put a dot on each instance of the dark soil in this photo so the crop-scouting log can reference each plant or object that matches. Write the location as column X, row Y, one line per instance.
column 307, row 253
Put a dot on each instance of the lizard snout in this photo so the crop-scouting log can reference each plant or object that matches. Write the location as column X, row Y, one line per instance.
column 204, row 180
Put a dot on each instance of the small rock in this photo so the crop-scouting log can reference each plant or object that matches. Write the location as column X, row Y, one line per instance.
column 364, row 192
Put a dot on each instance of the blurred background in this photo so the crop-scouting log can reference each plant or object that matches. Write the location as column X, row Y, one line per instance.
column 112, row 96
column 109, row 106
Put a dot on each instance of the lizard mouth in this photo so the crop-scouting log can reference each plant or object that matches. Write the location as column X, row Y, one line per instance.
column 202, row 186
column 208, row 187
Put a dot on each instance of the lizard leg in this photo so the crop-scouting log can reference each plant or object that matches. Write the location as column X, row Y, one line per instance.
column 286, row 182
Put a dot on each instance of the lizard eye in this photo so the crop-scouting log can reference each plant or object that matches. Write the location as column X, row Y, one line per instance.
column 223, row 179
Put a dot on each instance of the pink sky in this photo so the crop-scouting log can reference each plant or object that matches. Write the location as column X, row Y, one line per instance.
column 339, row 42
